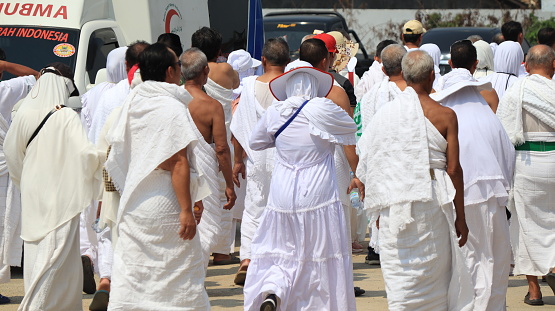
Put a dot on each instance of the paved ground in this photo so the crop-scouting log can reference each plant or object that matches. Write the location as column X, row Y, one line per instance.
column 224, row 295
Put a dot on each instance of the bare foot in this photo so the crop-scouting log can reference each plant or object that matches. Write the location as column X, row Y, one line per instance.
column 244, row 264
column 104, row 284
column 533, row 287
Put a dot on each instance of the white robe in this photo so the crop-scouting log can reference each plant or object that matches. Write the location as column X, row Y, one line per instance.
column 153, row 268
column 487, row 160
column 372, row 76
column 50, row 217
column 209, row 228
column 224, row 96
column 11, row 244
column 532, row 234
column 434, row 51
column 485, row 59
column 421, row 262
column 507, row 61
column 115, row 72
column 259, row 164
column 303, row 205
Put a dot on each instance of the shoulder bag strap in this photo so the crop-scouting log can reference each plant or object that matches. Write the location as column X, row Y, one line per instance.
column 286, row 124
column 35, row 133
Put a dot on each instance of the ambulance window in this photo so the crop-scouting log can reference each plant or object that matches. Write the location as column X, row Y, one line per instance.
column 102, row 41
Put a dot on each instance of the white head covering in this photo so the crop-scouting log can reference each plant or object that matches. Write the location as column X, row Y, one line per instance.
column 434, row 52
column 244, row 64
column 485, row 58
column 508, row 58
column 301, row 80
column 115, row 65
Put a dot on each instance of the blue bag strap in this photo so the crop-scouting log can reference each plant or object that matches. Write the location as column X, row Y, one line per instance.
column 286, row 124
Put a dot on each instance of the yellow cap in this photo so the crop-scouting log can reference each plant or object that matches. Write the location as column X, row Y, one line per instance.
column 413, row 27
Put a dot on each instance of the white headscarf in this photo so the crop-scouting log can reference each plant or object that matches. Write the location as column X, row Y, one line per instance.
column 115, row 65
column 302, row 85
column 115, row 72
column 508, row 58
column 434, row 52
column 485, row 59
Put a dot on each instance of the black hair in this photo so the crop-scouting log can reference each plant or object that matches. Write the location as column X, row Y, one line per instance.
column 382, row 45
column 511, row 30
column 276, row 52
column 313, row 51
column 133, row 51
column 546, row 36
column 209, row 41
column 410, row 37
column 154, row 61
column 463, row 54
column 64, row 71
column 172, row 41
column 2, row 55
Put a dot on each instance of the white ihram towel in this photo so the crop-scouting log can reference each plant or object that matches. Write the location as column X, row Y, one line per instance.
column 536, row 95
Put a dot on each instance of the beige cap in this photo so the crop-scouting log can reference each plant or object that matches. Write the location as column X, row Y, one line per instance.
column 413, row 27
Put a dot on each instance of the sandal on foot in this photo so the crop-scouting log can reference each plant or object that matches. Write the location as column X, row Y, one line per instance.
column 89, row 284
column 100, row 301
column 533, row 302
column 4, row 300
column 240, row 278
column 269, row 304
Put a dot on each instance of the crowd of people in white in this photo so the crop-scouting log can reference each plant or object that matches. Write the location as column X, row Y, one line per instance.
column 452, row 174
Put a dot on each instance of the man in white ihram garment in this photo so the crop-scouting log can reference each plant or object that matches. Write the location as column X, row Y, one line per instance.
column 222, row 80
column 11, row 244
column 506, row 61
column 89, row 238
column 212, row 149
column 374, row 74
column 286, row 271
column 390, row 87
column 256, row 97
column 157, row 258
column 58, row 159
column 527, row 113
column 487, row 160
column 412, row 143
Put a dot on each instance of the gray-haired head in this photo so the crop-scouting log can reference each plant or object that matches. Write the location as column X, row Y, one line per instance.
column 417, row 66
column 474, row 38
column 193, row 62
column 391, row 56
column 540, row 57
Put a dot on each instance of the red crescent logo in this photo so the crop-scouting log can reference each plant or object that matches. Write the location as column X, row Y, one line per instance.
column 171, row 13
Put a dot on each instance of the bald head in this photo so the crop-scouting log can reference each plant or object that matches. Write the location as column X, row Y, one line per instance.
column 392, row 56
column 418, row 68
column 540, row 59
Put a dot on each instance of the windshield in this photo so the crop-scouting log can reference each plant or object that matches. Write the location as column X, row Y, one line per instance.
column 36, row 47
column 293, row 33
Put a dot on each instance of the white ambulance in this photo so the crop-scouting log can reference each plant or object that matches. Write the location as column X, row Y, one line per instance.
column 80, row 33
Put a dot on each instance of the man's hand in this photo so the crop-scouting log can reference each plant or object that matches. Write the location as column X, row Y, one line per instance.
column 238, row 168
column 188, row 227
column 462, row 231
column 356, row 183
column 198, row 209
column 231, row 197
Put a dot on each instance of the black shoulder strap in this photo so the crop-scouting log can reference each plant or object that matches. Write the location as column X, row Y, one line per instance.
column 286, row 124
column 58, row 107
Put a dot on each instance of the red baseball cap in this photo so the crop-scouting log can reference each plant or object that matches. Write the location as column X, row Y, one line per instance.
column 329, row 40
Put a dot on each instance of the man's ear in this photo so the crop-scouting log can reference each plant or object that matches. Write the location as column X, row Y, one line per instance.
column 377, row 59
column 324, row 64
column 450, row 63
column 206, row 70
column 474, row 66
column 520, row 38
